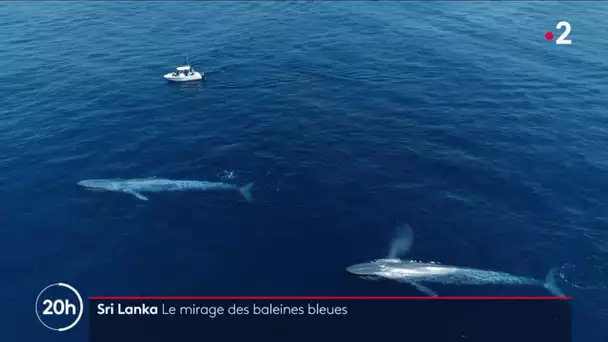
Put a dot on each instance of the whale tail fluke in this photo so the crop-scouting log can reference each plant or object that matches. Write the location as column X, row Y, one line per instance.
column 245, row 190
column 551, row 283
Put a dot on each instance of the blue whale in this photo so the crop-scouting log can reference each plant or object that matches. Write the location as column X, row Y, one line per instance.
column 417, row 273
column 138, row 186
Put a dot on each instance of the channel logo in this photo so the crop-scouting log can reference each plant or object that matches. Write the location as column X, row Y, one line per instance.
column 59, row 307
column 562, row 39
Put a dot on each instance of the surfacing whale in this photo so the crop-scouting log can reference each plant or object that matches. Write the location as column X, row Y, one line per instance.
column 416, row 273
column 138, row 186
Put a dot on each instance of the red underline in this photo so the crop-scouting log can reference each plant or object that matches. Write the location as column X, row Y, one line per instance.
column 327, row 298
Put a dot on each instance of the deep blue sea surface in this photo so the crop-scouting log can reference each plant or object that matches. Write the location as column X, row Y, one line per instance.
column 459, row 119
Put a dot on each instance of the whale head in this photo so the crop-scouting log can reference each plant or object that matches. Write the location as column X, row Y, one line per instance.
column 98, row 184
column 372, row 268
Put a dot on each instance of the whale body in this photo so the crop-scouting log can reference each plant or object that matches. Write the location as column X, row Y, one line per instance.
column 136, row 187
column 415, row 273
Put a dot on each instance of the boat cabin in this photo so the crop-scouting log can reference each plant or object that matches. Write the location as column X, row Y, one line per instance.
column 185, row 70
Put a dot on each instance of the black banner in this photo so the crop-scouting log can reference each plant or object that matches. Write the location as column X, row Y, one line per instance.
column 124, row 319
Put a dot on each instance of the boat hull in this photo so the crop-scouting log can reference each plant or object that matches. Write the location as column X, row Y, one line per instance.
column 171, row 78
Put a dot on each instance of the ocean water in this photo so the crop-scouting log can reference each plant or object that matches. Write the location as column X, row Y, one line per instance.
column 458, row 119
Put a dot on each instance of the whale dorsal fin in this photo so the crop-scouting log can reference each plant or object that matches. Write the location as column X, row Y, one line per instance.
column 402, row 241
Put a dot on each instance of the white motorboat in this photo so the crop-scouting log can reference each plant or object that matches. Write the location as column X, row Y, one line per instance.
column 184, row 73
